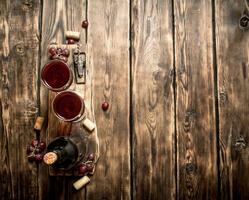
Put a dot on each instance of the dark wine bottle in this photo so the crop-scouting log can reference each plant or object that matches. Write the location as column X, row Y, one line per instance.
column 65, row 152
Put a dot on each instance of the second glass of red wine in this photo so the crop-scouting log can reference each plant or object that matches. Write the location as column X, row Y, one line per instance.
column 56, row 75
column 68, row 106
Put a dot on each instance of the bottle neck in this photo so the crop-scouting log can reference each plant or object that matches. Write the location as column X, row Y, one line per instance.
column 52, row 156
column 61, row 153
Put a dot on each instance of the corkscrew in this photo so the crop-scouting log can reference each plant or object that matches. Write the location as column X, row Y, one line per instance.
column 79, row 58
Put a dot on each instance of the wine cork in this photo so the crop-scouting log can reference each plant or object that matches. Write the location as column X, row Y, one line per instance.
column 38, row 123
column 81, row 182
column 73, row 35
column 50, row 158
column 88, row 124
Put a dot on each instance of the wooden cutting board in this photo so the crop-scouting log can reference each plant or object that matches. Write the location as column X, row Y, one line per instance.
column 58, row 128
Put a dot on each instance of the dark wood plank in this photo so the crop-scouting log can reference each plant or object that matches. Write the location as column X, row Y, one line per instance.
column 233, row 88
column 153, row 100
column 108, row 53
column 19, row 46
column 58, row 17
column 195, row 112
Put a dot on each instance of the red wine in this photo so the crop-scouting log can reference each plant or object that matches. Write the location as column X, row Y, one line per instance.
column 65, row 152
column 68, row 106
column 56, row 75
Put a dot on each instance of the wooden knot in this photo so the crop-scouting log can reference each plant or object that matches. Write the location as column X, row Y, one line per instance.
column 157, row 75
column 190, row 167
column 181, row 71
column 20, row 49
column 240, row 143
column 187, row 125
column 189, row 117
column 27, row 5
column 243, row 22
column 223, row 98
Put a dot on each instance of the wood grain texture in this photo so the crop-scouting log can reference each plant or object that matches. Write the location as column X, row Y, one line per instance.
column 19, row 44
column 233, row 87
column 58, row 17
column 157, row 139
column 195, row 113
column 108, row 53
column 153, row 100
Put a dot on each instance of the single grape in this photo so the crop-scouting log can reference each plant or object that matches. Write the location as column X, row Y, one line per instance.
column 105, row 106
column 42, row 145
column 38, row 157
column 91, row 157
column 84, row 24
column 52, row 51
column 30, row 149
column 65, row 52
column 34, row 142
column 70, row 41
column 83, row 169
column 59, row 50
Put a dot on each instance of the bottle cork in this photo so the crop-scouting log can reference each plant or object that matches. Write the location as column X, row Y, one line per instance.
column 38, row 123
column 81, row 182
column 88, row 124
column 50, row 158
column 72, row 35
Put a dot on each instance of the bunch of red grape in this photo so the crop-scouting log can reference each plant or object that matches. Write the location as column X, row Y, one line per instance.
column 88, row 166
column 59, row 53
column 35, row 149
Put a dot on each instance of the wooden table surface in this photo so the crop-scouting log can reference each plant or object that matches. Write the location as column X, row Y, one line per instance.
column 176, row 76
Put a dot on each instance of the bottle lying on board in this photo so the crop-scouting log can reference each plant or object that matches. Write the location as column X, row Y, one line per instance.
column 65, row 152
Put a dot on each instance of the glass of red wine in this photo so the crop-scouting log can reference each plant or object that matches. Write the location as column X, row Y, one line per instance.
column 68, row 106
column 56, row 75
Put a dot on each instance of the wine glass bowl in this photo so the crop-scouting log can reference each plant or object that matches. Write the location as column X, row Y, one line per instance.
column 68, row 106
column 56, row 75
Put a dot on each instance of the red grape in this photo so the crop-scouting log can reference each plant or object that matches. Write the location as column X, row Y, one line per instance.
column 91, row 157
column 42, row 146
column 70, row 41
column 84, row 24
column 105, row 106
column 30, row 149
column 59, row 50
column 52, row 51
column 65, row 52
column 34, row 142
column 38, row 157
column 83, row 169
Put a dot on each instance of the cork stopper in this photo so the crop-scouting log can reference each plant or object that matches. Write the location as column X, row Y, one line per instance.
column 38, row 123
column 88, row 124
column 72, row 35
column 81, row 182
column 50, row 158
